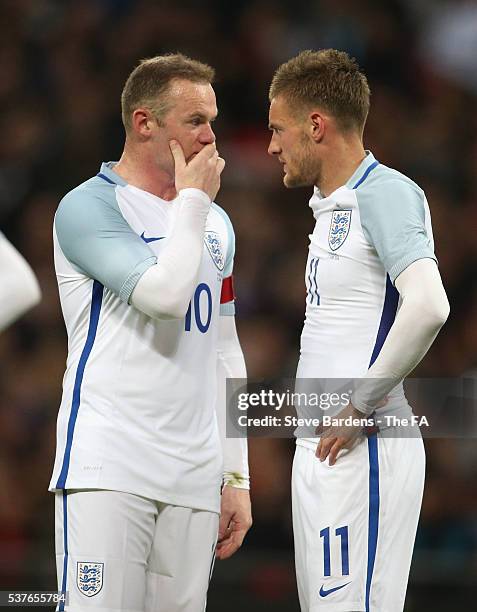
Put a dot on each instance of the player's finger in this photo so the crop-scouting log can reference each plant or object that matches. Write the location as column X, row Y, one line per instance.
column 220, row 164
column 325, row 446
column 231, row 545
column 238, row 536
column 177, row 154
column 222, row 554
column 326, row 433
column 207, row 152
column 223, row 546
column 323, row 449
column 334, row 450
column 228, row 551
column 224, row 524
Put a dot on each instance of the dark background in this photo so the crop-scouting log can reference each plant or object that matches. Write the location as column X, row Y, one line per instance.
column 63, row 65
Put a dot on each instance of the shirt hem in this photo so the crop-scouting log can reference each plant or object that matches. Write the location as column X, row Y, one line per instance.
column 406, row 261
column 132, row 280
column 157, row 496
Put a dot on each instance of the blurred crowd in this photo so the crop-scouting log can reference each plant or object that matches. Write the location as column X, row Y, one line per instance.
column 63, row 67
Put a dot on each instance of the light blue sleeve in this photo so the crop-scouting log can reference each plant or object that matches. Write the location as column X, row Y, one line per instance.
column 229, row 307
column 97, row 240
column 393, row 218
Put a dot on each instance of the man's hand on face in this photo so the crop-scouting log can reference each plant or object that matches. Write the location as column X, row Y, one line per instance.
column 202, row 172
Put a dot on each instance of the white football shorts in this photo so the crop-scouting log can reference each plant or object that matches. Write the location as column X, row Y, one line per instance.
column 122, row 552
column 355, row 523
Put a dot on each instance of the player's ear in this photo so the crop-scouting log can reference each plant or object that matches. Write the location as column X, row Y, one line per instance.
column 317, row 126
column 143, row 122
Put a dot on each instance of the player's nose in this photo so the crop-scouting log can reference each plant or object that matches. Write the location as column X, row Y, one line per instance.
column 207, row 135
column 273, row 148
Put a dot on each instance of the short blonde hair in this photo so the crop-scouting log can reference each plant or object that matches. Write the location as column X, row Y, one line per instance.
column 149, row 83
column 328, row 79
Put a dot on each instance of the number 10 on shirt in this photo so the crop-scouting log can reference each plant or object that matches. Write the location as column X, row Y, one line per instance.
column 202, row 320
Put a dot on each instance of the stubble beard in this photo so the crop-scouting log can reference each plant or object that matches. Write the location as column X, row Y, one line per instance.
column 308, row 168
column 307, row 174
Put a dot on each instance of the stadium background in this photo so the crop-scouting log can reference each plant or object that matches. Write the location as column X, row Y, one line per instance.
column 63, row 65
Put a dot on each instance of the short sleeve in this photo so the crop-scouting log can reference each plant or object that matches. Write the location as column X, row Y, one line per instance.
column 393, row 218
column 98, row 241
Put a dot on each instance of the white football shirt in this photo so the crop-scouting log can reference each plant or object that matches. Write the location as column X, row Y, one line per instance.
column 138, row 406
column 366, row 233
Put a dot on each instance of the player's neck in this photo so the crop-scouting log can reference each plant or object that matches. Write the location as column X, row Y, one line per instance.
column 340, row 165
column 143, row 173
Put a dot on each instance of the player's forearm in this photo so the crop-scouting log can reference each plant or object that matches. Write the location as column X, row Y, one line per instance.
column 165, row 289
column 19, row 289
column 235, row 450
column 230, row 365
column 423, row 312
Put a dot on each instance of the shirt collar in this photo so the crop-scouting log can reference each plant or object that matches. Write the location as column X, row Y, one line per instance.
column 360, row 171
column 107, row 171
column 356, row 177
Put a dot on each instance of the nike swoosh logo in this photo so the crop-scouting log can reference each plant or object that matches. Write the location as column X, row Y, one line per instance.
column 151, row 239
column 324, row 593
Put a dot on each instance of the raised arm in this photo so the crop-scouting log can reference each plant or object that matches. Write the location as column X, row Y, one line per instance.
column 98, row 241
column 164, row 290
